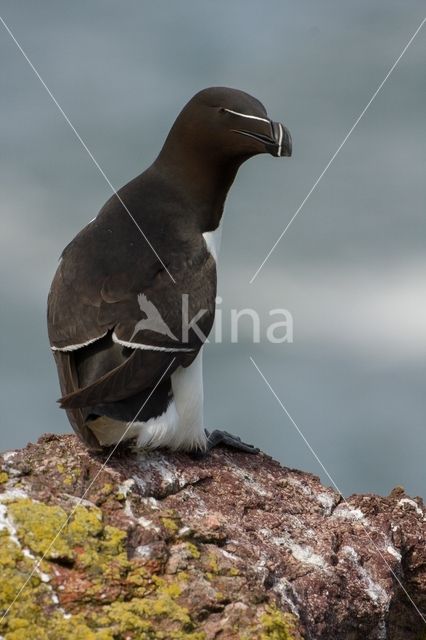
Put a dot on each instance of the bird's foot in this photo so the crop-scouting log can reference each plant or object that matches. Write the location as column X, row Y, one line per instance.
column 218, row 437
column 223, row 437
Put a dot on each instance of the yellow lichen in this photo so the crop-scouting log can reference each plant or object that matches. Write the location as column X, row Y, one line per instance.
column 3, row 477
column 193, row 550
column 234, row 571
column 276, row 625
column 170, row 525
column 71, row 477
column 213, row 564
column 146, row 608
column 172, row 589
column 26, row 618
column 107, row 489
column 37, row 525
column 143, row 616
column 183, row 575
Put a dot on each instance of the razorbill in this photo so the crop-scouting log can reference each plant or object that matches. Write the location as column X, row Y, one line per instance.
column 133, row 298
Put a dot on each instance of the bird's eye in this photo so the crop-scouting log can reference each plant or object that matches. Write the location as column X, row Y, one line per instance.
column 222, row 110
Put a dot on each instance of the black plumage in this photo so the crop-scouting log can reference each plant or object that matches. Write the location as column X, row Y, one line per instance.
column 147, row 240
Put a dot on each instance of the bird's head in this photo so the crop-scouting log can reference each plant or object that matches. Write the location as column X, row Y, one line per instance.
column 226, row 123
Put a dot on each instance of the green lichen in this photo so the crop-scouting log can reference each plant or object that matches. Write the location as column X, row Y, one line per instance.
column 276, row 625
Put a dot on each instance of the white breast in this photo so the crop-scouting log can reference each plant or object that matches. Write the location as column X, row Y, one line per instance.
column 181, row 427
column 213, row 240
column 188, row 393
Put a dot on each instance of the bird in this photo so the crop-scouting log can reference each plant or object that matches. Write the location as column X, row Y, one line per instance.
column 133, row 298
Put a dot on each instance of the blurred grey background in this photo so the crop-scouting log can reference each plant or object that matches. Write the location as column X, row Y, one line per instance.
column 351, row 269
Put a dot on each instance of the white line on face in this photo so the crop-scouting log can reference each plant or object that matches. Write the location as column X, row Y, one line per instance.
column 244, row 115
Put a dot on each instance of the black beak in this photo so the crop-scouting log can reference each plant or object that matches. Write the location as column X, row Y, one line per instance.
column 282, row 138
column 278, row 144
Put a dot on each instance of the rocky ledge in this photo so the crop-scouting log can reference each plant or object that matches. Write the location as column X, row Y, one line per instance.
column 164, row 546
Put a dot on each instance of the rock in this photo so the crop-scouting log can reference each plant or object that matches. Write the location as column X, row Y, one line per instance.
column 230, row 546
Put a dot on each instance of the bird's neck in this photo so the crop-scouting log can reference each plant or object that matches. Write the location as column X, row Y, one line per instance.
column 202, row 182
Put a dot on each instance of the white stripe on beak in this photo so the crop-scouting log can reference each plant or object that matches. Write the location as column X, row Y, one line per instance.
column 280, row 139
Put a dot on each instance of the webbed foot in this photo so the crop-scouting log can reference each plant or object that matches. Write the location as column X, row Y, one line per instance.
column 217, row 437
column 223, row 437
